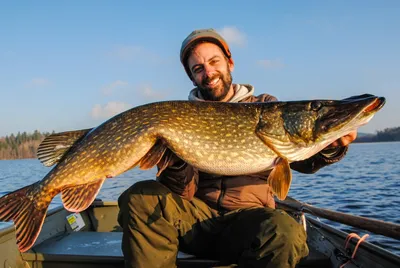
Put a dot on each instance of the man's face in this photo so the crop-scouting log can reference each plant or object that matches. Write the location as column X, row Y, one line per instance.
column 211, row 71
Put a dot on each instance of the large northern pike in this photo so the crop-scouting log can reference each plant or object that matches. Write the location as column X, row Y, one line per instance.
column 215, row 137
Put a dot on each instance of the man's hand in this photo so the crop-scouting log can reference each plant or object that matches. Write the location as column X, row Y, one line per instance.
column 345, row 140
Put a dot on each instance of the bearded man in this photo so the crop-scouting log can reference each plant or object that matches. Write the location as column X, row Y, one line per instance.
column 232, row 219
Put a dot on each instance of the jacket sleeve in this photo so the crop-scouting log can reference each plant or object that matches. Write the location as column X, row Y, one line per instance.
column 180, row 177
column 324, row 158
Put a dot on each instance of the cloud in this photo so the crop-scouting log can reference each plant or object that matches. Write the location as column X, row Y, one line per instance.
column 232, row 35
column 271, row 64
column 149, row 94
column 126, row 52
column 134, row 53
column 108, row 110
column 38, row 82
column 112, row 87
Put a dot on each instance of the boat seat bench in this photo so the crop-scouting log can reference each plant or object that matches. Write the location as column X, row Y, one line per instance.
column 103, row 249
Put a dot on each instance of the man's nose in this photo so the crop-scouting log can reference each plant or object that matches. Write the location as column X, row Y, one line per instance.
column 209, row 70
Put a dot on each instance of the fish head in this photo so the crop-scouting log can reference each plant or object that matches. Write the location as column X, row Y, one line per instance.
column 297, row 130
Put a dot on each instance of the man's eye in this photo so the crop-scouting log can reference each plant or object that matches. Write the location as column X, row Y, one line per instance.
column 197, row 70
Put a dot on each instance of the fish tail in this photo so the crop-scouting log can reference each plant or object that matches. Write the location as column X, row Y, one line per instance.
column 28, row 219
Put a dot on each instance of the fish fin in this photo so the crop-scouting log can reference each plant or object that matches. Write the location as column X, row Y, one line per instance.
column 165, row 161
column 27, row 218
column 280, row 178
column 153, row 156
column 54, row 146
column 79, row 198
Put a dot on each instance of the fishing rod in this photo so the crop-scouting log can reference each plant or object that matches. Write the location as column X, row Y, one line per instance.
column 376, row 226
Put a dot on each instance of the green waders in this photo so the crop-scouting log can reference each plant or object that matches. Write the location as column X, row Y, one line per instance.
column 156, row 222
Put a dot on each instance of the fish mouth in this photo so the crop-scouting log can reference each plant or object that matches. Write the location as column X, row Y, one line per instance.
column 376, row 105
column 352, row 112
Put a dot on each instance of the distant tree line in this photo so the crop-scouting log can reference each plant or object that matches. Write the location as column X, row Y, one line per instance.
column 21, row 145
column 388, row 134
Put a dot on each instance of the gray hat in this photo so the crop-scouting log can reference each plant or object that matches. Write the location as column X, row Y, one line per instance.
column 209, row 35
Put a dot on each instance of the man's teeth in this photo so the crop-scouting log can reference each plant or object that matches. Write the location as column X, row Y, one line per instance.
column 214, row 81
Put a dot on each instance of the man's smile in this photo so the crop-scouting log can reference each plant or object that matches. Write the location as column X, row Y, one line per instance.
column 212, row 82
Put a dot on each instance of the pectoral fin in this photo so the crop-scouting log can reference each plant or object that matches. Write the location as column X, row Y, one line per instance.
column 153, row 156
column 280, row 179
column 54, row 146
column 78, row 198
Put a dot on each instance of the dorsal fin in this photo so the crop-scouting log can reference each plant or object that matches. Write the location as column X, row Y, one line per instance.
column 54, row 146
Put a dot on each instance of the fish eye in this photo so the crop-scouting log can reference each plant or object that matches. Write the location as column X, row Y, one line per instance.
column 315, row 105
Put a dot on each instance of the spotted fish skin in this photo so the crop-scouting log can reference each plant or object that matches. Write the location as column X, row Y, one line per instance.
column 215, row 137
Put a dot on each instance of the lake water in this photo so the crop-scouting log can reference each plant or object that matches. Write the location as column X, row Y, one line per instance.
column 365, row 183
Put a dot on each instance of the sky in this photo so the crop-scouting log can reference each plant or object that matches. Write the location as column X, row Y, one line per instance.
column 68, row 65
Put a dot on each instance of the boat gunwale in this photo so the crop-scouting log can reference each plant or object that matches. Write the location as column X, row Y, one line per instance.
column 365, row 245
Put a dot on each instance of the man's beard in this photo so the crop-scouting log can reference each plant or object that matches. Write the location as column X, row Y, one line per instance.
column 209, row 93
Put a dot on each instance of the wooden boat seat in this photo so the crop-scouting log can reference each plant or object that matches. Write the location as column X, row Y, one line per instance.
column 103, row 249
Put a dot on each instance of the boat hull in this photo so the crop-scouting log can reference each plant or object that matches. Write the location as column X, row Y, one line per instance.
column 93, row 239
